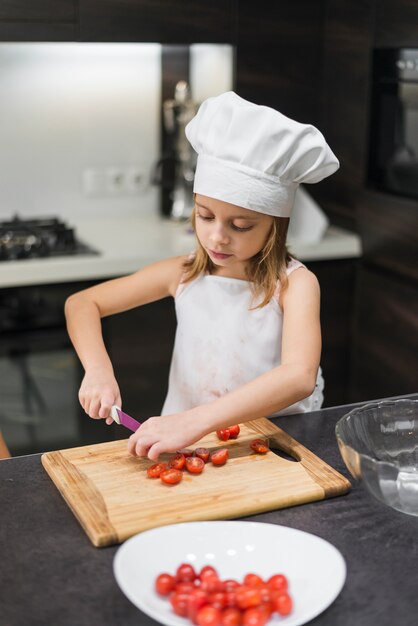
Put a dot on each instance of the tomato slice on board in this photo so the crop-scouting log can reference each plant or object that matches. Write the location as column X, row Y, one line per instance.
column 155, row 470
column 195, row 465
column 223, row 434
column 171, row 476
column 185, row 452
column 234, row 431
column 219, row 457
column 178, row 461
column 260, row 446
column 202, row 453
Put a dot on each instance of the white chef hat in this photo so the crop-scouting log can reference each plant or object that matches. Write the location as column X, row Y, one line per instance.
column 253, row 156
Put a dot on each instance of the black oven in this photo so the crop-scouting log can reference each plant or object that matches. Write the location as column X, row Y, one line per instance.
column 393, row 145
column 40, row 373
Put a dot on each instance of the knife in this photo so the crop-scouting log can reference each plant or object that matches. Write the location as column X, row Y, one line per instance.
column 123, row 418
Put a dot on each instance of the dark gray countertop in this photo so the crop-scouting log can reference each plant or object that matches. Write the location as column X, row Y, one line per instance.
column 51, row 574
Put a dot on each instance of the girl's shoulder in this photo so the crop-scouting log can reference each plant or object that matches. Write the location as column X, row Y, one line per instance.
column 174, row 269
column 302, row 281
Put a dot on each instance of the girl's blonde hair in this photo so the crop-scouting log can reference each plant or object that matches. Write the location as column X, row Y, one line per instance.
column 264, row 269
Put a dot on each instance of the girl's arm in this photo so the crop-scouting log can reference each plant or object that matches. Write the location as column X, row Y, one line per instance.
column 273, row 391
column 84, row 310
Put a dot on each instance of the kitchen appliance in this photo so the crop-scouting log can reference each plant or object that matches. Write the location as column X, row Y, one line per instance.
column 174, row 172
column 40, row 237
column 40, row 373
column 109, row 491
column 393, row 145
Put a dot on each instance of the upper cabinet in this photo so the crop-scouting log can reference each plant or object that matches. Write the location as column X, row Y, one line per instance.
column 396, row 23
column 159, row 21
column 38, row 20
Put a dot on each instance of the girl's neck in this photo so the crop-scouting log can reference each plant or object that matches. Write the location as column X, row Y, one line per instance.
column 239, row 272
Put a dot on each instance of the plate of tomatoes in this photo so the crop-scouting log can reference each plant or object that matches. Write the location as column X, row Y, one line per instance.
column 229, row 573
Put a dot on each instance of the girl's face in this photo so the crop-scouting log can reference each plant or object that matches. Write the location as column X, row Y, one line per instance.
column 230, row 234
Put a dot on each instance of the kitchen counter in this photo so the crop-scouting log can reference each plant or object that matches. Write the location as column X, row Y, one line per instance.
column 50, row 573
column 127, row 243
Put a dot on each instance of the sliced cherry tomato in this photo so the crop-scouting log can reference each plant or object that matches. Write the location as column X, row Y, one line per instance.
column 253, row 580
column 223, row 434
column 186, row 573
column 208, row 616
column 171, row 476
column 278, row 581
column 185, row 452
column 155, row 470
column 164, row 584
column 202, row 453
column 254, row 617
column 179, row 602
column 284, row 604
column 231, row 617
column 248, row 597
column 219, row 457
column 194, row 465
column 208, row 571
column 177, row 461
column 260, row 446
column 234, row 431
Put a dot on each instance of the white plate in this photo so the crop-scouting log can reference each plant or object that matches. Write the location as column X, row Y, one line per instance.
column 315, row 569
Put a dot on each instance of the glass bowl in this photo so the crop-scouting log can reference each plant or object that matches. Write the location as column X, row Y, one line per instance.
column 379, row 445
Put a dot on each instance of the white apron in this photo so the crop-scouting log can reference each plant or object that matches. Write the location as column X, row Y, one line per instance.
column 220, row 344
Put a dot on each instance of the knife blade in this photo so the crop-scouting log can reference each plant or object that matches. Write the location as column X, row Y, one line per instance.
column 124, row 419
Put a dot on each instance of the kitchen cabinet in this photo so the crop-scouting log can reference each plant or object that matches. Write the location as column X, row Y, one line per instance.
column 140, row 343
column 162, row 21
column 385, row 353
column 38, row 20
column 396, row 23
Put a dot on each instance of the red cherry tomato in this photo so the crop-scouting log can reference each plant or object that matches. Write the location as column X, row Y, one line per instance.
column 231, row 598
column 171, row 476
column 253, row 580
column 231, row 617
column 230, row 585
column 254, row 617
column 179, row 602
column 185, row 452
column 197, row 599
column 223, row 434
column 202, row 453
column 248, row 597
column 155, row 470
column 208, row 571
column 260, row 446
column 177, row 461
column 164, row 584
column 284, row 604
column 234, row 431
column 194, row 465
column 218, row 599
column 219, row 457
column 186, row 573
column 278, row 581
column 211, row 584
column 184, row 587
column 208, row 616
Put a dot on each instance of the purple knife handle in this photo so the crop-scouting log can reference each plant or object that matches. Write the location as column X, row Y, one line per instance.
column 128, row 421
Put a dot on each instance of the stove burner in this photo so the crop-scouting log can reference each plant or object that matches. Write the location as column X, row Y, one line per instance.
column 35, row 238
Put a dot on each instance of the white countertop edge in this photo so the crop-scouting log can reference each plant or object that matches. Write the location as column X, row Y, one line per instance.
column 140, row 242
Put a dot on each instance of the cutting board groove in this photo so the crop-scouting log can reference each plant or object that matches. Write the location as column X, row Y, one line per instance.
column 111, row 496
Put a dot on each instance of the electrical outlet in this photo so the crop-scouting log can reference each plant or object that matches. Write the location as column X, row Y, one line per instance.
column 114, row 180
column 135, row 180
column 93, row 182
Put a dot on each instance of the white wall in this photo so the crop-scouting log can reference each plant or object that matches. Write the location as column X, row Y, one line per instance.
column 65, row 108
column 71, row 113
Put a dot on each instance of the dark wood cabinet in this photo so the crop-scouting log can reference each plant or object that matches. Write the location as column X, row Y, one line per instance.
column 38, row 20
column 140, row 343
column 396, row 23
column 159, row 21
column 385, row 354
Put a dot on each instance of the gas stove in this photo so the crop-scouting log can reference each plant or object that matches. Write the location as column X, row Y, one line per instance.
column 36, row 238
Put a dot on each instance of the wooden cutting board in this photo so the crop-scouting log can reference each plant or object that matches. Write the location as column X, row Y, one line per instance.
column 112, row 497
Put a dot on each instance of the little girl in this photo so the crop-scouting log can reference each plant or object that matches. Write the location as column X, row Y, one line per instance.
column 248, row 338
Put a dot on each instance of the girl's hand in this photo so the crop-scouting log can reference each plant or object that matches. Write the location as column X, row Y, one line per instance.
column 99, row 391
column 167, row 433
